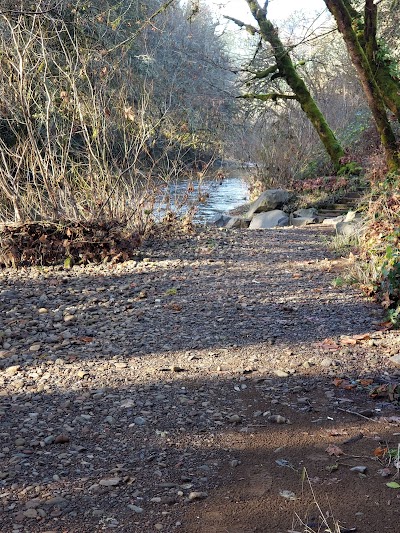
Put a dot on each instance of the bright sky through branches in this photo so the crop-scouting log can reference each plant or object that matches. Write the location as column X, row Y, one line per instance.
column 277, row 9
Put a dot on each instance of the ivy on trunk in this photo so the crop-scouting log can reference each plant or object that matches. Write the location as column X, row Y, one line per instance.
column 285, row 69
column 359, row 56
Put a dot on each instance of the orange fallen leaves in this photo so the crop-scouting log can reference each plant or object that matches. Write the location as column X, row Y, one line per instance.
column 380, row 451
column 343, row 384
column 329, row 344
column 354, row 339
column 173, row 307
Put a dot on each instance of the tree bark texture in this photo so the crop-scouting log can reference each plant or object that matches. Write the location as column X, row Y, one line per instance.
column 289, row 73
column 369, row 83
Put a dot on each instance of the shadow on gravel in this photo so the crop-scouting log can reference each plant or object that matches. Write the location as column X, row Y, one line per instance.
column 141, row 314
column 134, row 455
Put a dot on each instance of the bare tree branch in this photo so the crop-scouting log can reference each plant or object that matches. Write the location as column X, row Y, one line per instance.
column 248, row 27
column 267, row 97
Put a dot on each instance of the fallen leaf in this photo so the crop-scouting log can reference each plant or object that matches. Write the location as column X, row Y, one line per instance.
column 343, row 384
column 85, row 339
column 386, row 325
column 348, row 341
column 380, row 452
column 393, row 485
column 386, row 302
column 329, row 344
column 362, row 337
column 332, row 449
column 365, row 382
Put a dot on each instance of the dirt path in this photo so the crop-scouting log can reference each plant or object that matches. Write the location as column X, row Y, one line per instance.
column 139, row 397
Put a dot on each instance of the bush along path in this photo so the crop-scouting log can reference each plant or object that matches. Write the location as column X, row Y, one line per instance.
column 222, row 383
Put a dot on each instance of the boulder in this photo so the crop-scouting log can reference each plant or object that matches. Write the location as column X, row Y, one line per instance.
column 225, row 221
column 303, row 221
column 237, row 222
column 306, row 213
column 270, row 219
column 350, row 216
column 268, row 201
column 334, row 221
column 220, row 220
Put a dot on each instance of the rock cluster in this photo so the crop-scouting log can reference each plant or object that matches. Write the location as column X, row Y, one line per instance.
column 268, row 211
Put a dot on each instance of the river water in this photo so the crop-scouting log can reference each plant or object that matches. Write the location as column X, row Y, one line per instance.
column 211, row 196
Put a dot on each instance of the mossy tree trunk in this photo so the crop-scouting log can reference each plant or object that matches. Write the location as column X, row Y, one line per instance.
column 287, row 71
column 387, row 81
column 369, row 84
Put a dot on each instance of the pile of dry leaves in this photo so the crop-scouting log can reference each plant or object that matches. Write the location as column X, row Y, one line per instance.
column 53, row 243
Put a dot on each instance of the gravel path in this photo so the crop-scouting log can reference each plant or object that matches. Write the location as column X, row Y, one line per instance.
column 128, row 392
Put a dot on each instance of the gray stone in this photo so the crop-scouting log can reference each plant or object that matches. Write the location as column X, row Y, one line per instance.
column 268, row 201
column 238, row 222
column 270, row 219
column 311, row 212
column 220, row 220
column 30, row 513
column 303, row 221
column 395, row 359
column 359, row 469
column 333, row 221
column 350, row 216
column 135, row 508
column 110, row 482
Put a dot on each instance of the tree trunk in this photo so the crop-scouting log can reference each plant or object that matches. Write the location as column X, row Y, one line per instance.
column 289, row 73
column 369, row 84
column 388, row 84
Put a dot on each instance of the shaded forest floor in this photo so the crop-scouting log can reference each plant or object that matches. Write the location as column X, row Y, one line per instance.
column 188, row 391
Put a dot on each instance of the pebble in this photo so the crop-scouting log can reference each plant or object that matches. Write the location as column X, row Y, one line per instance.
column 395, row 359
column 359, row 469
column 30, row 513
column 197, row 495
column 278, row 419
column 61, row 439
column 110, row 482
column 12, row 370
column 281, row 373
column 135, row 508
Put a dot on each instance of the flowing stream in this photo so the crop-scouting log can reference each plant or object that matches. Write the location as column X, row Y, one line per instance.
column 212, row 196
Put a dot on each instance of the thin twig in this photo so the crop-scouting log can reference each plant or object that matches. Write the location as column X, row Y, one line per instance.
column 358, row 414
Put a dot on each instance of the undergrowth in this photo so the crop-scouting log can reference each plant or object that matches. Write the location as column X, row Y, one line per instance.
column 377, row 267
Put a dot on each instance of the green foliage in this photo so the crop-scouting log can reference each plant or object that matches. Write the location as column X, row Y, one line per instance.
column 350, row 169
column 389, row 280
column 383, row 55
